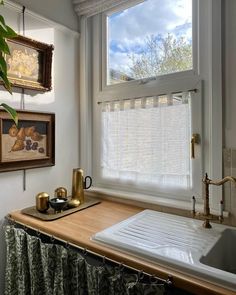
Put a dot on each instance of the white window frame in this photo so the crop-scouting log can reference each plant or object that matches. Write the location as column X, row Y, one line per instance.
column 207, row 67
column 135, row 87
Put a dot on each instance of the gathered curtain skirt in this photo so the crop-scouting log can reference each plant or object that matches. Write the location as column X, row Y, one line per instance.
column 37, row 268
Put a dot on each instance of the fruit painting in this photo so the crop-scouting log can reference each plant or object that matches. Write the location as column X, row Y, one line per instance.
column 26, row 141
column 29, row 144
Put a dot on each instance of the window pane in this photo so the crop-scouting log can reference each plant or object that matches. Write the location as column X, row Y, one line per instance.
column 150, row 39
column 147, row 141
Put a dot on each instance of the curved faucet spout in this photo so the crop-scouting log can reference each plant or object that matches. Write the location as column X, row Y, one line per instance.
column 225, row 179
column 207, row 181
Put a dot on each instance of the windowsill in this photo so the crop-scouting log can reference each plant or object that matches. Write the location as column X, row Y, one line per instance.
column 167, row 205
column 143, row 200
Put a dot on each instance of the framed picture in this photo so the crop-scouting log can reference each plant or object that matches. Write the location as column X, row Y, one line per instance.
column 31, row 144
column 30, row 63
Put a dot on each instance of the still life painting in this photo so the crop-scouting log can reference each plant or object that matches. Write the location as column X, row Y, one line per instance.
column 24, row 63
column 26, row 142
column 30, row 63
column 30, row 144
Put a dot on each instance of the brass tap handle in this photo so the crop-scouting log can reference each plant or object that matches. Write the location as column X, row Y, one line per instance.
column 195, row 139
column 207, row 182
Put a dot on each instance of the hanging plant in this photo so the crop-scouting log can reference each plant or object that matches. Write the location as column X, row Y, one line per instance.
column 6, row 33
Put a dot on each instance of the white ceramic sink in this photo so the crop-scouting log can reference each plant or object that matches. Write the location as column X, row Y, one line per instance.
column 222, row 255
column 177, row 242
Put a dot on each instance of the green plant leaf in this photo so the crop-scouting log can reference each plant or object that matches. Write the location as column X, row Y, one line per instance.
column 4, row 46
column 2, row 23
column 12, row 112
column 6, row 82
column 3, row 32
column 7, row 32
column 3, row 65
column 2, row 20
column 10, row 32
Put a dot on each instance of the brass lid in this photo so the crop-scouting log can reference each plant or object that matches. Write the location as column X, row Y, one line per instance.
column 60, row 192
column 42, row 195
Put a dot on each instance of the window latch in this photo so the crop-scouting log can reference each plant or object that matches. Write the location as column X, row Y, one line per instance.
column 195, row 139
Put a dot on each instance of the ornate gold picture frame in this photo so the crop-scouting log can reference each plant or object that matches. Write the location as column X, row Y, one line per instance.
column 30, row 64
column 31, row 144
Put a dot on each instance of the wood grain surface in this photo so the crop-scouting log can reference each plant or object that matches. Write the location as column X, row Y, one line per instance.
column 77, row 228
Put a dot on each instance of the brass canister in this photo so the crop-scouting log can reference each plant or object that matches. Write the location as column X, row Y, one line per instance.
column 42, row 202
column 60, row 192
column 77, row 196
column 79, row 183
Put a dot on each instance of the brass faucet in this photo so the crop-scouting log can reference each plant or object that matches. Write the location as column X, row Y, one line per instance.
column 207, row 215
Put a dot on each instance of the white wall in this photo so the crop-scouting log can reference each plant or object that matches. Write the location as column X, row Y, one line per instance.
column 63, row 100
column 229, row 103
column 229, row 79
column 60, row 11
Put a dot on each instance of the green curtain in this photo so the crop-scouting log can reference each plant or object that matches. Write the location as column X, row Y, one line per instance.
column 35, row 267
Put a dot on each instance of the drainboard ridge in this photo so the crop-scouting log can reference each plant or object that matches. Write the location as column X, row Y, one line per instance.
column 157, row 230
column 162, row 239
column 176, row 236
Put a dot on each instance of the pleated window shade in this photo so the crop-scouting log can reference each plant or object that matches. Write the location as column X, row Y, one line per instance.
column 146, row 140
column 91, row 7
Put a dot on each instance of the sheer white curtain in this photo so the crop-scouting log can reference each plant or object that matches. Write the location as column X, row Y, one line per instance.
column 146, row 140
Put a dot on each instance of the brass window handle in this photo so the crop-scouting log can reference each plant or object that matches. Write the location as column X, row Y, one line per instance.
column 195, row 139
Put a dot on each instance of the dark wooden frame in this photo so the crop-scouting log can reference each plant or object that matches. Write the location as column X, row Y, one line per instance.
column 46, row 51
column 49, row 160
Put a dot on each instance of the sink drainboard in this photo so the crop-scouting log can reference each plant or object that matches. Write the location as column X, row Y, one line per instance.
column 158, row 233
column 174, row 241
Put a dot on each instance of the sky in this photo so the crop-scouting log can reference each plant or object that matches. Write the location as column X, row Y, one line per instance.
column 128, row 29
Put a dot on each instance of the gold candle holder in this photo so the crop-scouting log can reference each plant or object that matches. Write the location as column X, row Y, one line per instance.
column 42, row 202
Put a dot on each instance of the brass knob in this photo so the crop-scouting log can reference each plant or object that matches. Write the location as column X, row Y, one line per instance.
column 42, row 202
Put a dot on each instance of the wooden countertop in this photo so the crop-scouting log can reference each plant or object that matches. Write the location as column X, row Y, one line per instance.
column 78, row 227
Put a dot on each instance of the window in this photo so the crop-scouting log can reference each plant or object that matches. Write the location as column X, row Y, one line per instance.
column 144, row 144
column 152, row 85
column 149, row 39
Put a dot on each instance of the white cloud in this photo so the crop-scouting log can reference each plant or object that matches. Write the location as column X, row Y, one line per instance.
column 120, row 62
column 128, row 29
column 150, row 17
